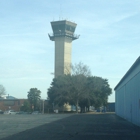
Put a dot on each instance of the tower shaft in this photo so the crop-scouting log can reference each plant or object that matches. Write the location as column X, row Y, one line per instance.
column 63, row 48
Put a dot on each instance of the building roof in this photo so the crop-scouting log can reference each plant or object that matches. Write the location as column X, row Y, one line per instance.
column 63, row 22
column 129, row 71
column 8, row 97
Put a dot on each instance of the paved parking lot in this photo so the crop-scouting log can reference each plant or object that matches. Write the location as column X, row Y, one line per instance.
column 12, row 124
column 68, row 127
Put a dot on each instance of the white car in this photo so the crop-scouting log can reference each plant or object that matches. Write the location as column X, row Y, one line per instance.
column 10, row 112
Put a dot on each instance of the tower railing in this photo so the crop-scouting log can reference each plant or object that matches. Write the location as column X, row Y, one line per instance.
column 61, row 34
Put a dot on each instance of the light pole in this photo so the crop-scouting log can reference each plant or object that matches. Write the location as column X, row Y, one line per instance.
column 43, row 107
column 48, row 103
column 53, row 106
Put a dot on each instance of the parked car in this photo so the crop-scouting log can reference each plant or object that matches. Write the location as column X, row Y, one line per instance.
column 1, row 112
column 20, row 112
column 10, row 112
column 35, row 112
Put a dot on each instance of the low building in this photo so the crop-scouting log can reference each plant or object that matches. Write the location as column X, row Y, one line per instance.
column 110, row 107
column 127, row 95
column 11, row 103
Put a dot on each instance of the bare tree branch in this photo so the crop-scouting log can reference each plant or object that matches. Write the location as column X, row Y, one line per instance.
column 2, row 91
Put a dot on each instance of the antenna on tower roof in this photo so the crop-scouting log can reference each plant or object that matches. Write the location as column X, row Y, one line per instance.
column 60, row 12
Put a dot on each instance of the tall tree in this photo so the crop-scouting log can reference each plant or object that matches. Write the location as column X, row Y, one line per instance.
column 26, row 106
column 69, row 88
column 80, row 69
column 79, row 88
column 2, row 91
column 58, row 93
column 34, row 97
column 98, row 90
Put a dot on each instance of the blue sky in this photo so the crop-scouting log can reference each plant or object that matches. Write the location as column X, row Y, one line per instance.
column 109, row 40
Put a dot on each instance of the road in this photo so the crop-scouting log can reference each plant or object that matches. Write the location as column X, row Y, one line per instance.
column 69, row 127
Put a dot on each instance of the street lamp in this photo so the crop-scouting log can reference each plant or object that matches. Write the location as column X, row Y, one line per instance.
column 53, row 106
column 43, row 107
column 48, row 98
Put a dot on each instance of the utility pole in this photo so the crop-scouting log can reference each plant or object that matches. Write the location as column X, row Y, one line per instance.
column 43, row 107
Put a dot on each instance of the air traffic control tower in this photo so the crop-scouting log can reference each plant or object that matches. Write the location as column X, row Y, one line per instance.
column 63, row 35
